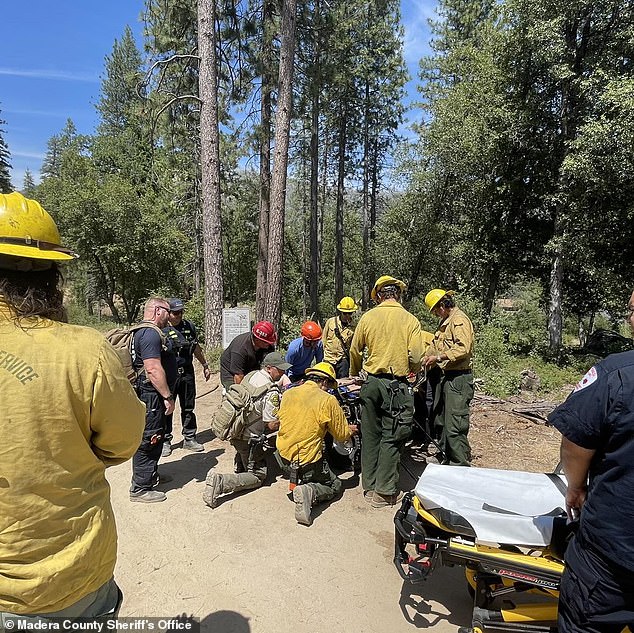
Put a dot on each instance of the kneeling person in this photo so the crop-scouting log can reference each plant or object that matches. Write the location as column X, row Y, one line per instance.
column 307, row 413
column 250, row 458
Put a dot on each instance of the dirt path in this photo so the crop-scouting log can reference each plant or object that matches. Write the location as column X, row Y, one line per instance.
column 247, row 566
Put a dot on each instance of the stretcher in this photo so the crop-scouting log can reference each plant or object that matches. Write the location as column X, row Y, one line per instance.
column 507, row 529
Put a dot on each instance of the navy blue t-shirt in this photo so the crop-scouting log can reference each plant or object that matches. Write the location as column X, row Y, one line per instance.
column 599, row 415
column 148, row 344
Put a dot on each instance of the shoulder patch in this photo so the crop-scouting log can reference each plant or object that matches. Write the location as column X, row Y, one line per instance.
column 587, row 380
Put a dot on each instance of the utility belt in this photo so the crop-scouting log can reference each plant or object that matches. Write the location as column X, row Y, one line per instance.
column 389, row 377
column 305, row 473
column 185, row 370
column 452, row 373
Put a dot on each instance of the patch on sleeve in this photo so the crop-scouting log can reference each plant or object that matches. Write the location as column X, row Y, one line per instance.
column 587, row 380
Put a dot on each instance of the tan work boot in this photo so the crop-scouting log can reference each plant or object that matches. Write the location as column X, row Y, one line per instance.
column 303, row 496
column 213, row 490
column 368, row 496
column 385, row 501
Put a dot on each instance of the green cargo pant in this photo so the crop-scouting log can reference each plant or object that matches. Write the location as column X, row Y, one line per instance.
column 386, row 424
column 455, row 394
column 252, row 462
column 316, row 475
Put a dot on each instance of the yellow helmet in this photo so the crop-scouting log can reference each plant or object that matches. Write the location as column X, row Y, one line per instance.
column 386, row 280
column 347, row 304
column 27, row 230
column 434, row 296
column 323, row 369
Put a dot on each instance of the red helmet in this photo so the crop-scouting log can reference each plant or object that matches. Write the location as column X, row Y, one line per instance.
column 311, row 331
column 264, row 331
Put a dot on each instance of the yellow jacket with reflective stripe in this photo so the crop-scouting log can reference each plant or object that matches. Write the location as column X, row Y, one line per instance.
column 454, row 338
column 392, row 338
column 306, row 414
column 333, row 349
column 68, row 412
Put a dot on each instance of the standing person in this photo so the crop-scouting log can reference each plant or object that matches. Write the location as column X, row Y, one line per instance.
column 307, row 413
column 303, row 350
column 337, row 337
column 250, row 460
column 392, row 338
column 182, row 335
column 156, row 367
column 246, row 353
column 452, row 351
column 597, row 454
column 69, row 413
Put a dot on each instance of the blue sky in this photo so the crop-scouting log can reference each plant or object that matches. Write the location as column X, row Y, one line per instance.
column 53, row 57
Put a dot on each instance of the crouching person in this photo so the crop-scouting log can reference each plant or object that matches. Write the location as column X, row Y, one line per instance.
column 307, row 413
column 262, row 388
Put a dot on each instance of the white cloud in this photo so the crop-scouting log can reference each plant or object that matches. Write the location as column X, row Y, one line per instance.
column 415, row 17
column 58, row 75
column 35, row 155
column 28, row 112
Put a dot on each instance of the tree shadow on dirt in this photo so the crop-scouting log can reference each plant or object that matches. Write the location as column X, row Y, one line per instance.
column 447, row 588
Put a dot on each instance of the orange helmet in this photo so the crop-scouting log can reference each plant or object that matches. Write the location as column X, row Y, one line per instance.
column 311, row 331
column 264, row 331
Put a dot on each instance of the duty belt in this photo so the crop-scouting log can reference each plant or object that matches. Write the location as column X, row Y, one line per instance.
column 456, row 372
column 389, row 377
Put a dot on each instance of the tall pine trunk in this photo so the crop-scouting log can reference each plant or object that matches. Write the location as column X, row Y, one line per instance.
column 275, row 263
column 265, row 156
column 341, row 173
column 210, row 171
column 314, row 172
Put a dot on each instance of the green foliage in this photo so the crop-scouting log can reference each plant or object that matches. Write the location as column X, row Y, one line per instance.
column 5, row 163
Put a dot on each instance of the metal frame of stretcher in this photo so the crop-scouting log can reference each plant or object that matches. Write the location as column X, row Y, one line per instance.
column 422, row 543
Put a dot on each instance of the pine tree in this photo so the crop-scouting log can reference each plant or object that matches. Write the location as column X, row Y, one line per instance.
column 5, row 164
column 28, row 186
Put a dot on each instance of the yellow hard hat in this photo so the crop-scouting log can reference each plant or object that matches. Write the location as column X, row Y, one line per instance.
column 386, row 280
column 27, row 230
column 347, row 304
column 434, row 296
column 324, row 369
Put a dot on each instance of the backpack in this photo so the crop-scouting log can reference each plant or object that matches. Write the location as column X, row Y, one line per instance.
column 122, row 338
column 237, row 404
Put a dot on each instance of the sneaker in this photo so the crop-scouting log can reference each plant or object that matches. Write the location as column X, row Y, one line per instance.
column 193, row 445
column 368, row 496
column 385, row 501
column 166, row 451
column 148, row 496
column 213, row 489
column 303, row 496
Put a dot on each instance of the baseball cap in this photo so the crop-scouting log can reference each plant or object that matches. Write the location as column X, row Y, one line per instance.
column 176, row 305
column 275, row 359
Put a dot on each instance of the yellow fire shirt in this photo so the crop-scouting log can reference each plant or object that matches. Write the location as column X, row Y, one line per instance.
column 68, row 413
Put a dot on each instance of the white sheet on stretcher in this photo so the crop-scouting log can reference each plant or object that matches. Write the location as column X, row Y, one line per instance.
column 502, row 506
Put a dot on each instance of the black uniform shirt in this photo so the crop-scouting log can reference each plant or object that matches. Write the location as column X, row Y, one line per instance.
column 184, row 340
column 241, row 357
column 148, row 344
column 599, row 415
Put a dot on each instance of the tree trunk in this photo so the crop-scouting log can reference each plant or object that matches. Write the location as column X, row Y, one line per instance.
column 265, row 157
column 555, row 319
column 274, row 269
column 314, row 173
column 493, row 280
column 210, row 171
column 365, row 298
column 341, row 173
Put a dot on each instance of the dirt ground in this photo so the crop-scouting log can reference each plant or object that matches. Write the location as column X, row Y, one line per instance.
column 248, row 567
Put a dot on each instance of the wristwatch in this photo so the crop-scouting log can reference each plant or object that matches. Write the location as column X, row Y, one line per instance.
column 168, row 397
